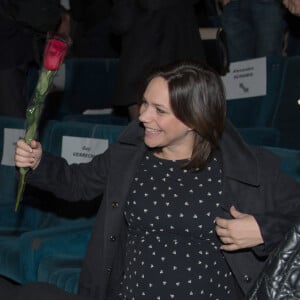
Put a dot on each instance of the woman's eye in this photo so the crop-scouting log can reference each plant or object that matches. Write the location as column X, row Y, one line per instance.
column 160, row 111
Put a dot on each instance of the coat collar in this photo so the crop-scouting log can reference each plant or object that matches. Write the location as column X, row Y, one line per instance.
column 239, row 161
column 133, row 134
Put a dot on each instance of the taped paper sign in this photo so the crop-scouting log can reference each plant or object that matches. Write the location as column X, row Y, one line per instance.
column 11, row 136
column 82, row 150
column 247, row 78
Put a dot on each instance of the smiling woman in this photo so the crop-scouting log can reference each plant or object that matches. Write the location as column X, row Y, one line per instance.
column 196, row 211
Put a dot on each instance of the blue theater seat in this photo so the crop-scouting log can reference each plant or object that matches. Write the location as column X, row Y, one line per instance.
column 287, row 114
column 13, row 224
column 109, row 118
column 61, row 270
column 42, row 212
column 290, row 160
column 70, row 237
column 7, row 172
column 57, row 129
column 42, row 249
column 27, row 217
column 259, row 111
column 89, row 85
column 261, row 136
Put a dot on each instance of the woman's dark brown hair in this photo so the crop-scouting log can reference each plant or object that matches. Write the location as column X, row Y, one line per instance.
column 197, row 99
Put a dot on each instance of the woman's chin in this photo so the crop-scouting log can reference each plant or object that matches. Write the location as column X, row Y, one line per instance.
column 151, row 143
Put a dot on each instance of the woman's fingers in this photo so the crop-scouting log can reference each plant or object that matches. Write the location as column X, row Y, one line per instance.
column 221, row 232
column 27, row 155
column 23, row 158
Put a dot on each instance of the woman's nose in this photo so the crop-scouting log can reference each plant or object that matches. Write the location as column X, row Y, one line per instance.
column 144, row 114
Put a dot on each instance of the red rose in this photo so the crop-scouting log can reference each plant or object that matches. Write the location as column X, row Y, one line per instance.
column 54, row 53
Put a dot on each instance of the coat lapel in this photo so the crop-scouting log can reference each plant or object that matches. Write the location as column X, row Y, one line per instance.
column 239, row 161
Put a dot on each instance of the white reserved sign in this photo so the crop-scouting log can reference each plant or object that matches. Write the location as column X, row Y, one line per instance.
column 82, row 150
column 247, row 78
column 11, row 136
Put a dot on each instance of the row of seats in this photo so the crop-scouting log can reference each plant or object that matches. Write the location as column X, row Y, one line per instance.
column 279, row 108
column 89, row 85
column 46, row 239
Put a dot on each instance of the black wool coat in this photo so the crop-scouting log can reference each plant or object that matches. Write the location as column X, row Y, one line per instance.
column 252, row 182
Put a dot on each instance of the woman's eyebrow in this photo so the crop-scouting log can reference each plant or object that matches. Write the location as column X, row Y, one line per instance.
column 157, row 105
column 160, row 106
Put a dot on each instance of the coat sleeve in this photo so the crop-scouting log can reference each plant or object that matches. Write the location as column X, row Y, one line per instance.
column 74, row 182
column 282, row 207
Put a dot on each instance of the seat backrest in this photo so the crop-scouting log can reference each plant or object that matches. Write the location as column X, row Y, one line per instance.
column 56, row 131
column 263, row 136
column 89, row 84
column 110, row 118
column 287, row 113
column 10, row 131
column 290, row 160
column 258, row 111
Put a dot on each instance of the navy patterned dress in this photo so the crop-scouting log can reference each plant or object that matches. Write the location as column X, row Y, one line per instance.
column 172, row 248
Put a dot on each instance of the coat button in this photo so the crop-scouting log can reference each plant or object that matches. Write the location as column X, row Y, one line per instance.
column 108, row 269
column 246, row 278
column 112, row 238
column 114, row 204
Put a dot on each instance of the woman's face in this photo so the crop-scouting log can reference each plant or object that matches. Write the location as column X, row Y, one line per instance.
column 162, row 128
